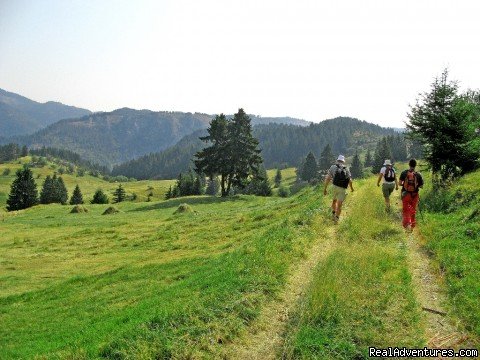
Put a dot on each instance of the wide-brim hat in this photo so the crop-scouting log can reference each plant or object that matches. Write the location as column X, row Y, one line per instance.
column 387, row 162
column 341, row 158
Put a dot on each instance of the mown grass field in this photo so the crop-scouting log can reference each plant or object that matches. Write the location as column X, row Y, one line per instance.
column 361, row 295
column 146, row 282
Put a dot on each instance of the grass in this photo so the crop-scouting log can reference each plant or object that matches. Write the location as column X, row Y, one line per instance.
column 145, row 282
column 88, row 184
column 362, row 293
column 451, row 231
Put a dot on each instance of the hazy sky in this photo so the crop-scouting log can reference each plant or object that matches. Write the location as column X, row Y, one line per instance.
column 307, row 59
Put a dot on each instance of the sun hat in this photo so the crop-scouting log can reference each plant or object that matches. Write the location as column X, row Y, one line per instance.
column 341, row 158
column 387, row 162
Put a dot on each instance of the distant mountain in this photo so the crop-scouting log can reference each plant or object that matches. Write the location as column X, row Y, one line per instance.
column 280, row 144
column 21, row 116
column 113, row 137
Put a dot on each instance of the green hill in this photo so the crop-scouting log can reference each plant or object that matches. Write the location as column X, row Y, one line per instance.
column 20, row 116
column 281, row 144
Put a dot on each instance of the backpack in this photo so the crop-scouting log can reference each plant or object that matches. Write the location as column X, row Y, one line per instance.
column 410, row 183
column 389, row 174
column 340, row 178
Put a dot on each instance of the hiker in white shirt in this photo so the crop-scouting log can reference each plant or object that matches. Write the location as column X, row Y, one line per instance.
column 390, row 182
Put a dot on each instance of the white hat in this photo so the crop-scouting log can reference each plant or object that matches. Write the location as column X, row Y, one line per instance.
column 387, row 162
column 341, row 158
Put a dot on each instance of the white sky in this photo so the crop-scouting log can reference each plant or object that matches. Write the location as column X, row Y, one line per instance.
column 306, row 59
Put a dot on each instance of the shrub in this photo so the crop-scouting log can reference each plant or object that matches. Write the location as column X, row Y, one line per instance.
column 283, row 191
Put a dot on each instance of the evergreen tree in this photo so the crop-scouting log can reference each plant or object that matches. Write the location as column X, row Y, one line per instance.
column 77, row 197
column 47, row 193
column 382, row 152
column 278, row 178
column 119, row 194
column 309, row 171
column 234, row 153
column 99, row 197
column 259, row 184
column 169, row 193
column 326, row 158
column 23, row 192
column 213, row 186
column 441, row 121
column 357, row 167
column 61, row 194
column 368, row 158
column 24, row 151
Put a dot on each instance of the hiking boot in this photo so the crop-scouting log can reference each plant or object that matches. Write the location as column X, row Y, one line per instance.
column 336, row 219
column 408, row 229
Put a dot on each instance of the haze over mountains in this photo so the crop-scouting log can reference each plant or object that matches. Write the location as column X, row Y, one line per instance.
column 22, row 116
column 146, row 144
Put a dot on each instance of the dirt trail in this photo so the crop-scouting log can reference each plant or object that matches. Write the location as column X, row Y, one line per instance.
column 440, row 330
column 264, row 338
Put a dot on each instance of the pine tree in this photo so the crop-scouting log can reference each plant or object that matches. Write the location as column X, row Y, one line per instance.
column 259, row 184
column 119, row 194
column 441, row 121
column 326, row 158
column 213, row 186
column 77, row 197
column 382, row 153
column 24, row 151
column 169, row 193
column 47, row 193
column 309, row 171
column 278, row 178
column 357, row 167
column 23, row 191
column 99, row 197
column 61, row 194
column 233, row 154
column 368, row 158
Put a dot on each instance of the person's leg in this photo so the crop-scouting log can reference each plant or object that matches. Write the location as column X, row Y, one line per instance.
column 413, row 211
column 406, row 211
column 334, row 208
column 339, row 208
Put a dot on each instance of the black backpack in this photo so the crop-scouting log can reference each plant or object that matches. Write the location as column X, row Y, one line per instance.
column 389, row 174
column 340, row 178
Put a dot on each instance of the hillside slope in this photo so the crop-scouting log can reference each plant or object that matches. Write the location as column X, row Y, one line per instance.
column 281, row 145
column 21, row 116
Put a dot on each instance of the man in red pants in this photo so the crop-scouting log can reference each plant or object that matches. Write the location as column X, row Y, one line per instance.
column 411, row 181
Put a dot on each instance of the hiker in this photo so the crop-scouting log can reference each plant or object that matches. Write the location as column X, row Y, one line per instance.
column 390, row 182
column 342, row 178
column 411, row 181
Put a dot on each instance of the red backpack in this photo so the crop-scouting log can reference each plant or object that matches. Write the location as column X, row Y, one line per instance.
column 410, row 183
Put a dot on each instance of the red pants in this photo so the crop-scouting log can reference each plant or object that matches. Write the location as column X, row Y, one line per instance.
column 410, row 201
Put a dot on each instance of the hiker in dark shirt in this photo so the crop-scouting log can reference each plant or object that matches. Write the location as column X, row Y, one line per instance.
column 340, row 175
column 411, row 181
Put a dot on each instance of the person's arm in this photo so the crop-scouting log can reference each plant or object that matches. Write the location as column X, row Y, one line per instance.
column 327, row 181
column 379, row 179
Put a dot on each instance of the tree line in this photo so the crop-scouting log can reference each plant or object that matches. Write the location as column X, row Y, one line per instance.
column 24, row 194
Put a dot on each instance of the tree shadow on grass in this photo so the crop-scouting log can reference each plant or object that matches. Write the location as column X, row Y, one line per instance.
column 197, row 200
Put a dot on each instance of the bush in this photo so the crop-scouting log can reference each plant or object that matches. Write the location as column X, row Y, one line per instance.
column 6, row 172
column 283, row 191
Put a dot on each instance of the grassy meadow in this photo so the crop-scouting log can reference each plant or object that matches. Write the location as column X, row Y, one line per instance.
column 451, row 233
column 152, row 283
column 146, row 282
column 88, row 184
column 361, row 295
